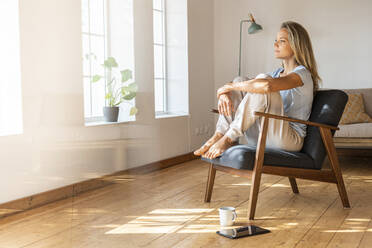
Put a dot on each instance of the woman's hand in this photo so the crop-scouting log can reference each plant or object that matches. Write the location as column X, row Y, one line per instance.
column 225, row 106
column 224, row 89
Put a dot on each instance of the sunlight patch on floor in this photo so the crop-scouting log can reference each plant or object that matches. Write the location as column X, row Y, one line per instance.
column 142, row 228
column 279, row 185
column 237, row 184
column 83, row 211
column 291, row 224
column 182, row 211
column 356, row 219
column 210, row 218
column 201, row 228
column 165, row 221
column 343, row 231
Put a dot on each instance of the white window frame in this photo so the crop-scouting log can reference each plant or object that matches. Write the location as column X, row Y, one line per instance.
column 164, row 77
column 105, row 9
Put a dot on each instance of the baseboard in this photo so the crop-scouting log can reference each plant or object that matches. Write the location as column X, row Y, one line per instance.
column 354, row 152
column 37, row 200
column 160, row 164
column 352, row 143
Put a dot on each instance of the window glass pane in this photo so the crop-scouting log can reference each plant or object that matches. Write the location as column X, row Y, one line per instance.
column 98, row 54
column 158, row 27
column 98, row 98
column 157, row 4
column 84, row 15
column 87, row 103
column 97, row 16
column 86, row 56
column 10, row 82
column 158, row 61
column 159, row 95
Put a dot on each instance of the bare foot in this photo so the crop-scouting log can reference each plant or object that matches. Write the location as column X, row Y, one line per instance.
column 208, row 144
column 219, row 147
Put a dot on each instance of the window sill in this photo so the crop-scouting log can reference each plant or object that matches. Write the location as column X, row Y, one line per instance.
column 170, row 115
column 103, row 123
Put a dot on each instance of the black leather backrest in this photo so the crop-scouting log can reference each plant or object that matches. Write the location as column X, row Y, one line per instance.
column 328, row 106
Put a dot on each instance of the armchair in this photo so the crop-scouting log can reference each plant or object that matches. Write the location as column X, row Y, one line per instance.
column 252, row 162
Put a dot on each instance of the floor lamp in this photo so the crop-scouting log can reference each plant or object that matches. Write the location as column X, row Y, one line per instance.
column 253, row 28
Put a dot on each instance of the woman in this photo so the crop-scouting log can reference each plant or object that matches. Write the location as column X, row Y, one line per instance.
column 286, row 91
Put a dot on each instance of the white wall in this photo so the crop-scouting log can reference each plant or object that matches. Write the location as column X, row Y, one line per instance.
column 177, row 56
column 340, row 32
column 56, row 149
column 201, row 60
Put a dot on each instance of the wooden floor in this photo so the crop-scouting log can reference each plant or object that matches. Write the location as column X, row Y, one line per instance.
column 166, row 209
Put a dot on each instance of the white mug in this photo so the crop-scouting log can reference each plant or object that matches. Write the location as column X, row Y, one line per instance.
column 227, row 216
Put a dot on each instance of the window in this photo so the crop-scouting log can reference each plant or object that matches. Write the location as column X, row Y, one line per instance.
column 107, row 31
column 94, row 36
column 10, row 83
column 160, row 78
column 170, row 58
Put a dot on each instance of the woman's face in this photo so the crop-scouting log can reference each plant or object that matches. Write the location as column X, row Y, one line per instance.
column 282, row 49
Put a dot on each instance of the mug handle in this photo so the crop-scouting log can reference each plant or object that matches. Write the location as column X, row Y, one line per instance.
column 234, row 216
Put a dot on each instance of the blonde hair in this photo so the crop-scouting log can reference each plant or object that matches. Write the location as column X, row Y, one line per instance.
column 300, row 43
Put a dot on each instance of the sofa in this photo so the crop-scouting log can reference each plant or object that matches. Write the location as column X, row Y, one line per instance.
column 357, row 135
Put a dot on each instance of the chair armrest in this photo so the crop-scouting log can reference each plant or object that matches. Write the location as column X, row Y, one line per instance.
column 285, row 118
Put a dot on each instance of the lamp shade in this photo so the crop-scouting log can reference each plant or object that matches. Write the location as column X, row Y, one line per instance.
column 254, row 28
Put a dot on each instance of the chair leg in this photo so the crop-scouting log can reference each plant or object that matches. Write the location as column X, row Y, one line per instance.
column 210, row 183
column 256, row 180
column 292, row 180
column 332, row 156
column 257, row 170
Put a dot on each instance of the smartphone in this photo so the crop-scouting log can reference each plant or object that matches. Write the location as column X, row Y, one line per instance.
column 244, row 231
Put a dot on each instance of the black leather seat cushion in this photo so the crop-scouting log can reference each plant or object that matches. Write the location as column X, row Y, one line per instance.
column 243, row 156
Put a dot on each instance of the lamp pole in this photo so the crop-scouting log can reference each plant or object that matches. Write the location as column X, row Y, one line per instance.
column 240, row 45
column 251, row 30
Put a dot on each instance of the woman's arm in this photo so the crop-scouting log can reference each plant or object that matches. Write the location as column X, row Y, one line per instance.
column 263, row 85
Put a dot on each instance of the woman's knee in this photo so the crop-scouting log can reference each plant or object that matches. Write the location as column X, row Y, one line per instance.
column 254, row 102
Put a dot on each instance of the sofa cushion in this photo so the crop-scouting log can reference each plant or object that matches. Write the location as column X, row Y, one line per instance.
column 354, row 110
column 367, row 97
column 358, row 130
column 243, row 157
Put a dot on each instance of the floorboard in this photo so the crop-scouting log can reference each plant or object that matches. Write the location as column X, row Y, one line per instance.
column 166, row 209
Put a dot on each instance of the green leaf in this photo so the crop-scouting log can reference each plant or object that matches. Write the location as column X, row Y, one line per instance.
column 110, row 62
column 126, row 75
column 133, row 87
column 124, row 90
column 118, row 103
column 96, row 78
column 133, row 111
column 108, row 96
column 130, row 96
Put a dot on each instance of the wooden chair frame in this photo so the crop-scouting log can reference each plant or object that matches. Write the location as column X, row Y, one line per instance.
column 332, row 175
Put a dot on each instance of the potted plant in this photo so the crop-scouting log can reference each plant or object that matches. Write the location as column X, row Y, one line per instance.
column 117, row 89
